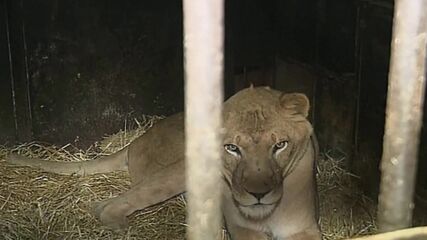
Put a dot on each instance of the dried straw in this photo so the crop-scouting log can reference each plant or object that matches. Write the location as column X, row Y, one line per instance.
column 39, row 205
column 344, row 211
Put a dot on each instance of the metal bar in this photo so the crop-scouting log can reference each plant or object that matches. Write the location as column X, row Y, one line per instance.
column 406, row 234
column 26, row 66
column 203, row 43
column 404, row 114
column 358, row 56
column 12, row 80
column 14, row 11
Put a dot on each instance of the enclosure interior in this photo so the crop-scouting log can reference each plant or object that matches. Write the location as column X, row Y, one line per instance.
column 75, row 71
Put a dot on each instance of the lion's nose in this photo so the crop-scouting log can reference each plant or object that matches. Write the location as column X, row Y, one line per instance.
column 259, row 195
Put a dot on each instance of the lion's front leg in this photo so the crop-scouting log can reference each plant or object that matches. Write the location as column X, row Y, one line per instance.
column 159, row 187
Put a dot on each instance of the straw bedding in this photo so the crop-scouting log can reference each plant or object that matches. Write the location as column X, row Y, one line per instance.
column 39, row 205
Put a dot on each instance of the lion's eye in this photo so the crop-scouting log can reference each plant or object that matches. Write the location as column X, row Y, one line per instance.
column 232, row 149
column 280, row 146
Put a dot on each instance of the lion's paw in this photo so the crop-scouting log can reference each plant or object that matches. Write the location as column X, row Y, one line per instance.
column 106, row 214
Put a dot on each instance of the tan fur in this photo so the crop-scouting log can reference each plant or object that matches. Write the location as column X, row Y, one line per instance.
column 269, row 189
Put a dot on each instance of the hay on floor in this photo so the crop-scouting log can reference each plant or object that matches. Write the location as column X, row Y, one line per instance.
column 40, row 205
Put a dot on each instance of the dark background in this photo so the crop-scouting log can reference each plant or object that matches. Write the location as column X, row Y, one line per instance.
column 74, row 71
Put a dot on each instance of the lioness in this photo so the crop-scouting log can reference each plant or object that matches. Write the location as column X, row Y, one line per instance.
column 268, row 168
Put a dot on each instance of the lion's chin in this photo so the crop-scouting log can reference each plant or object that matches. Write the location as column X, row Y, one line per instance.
column 257, row 211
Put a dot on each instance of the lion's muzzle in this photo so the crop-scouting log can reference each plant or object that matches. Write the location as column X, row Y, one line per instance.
column 256, row 190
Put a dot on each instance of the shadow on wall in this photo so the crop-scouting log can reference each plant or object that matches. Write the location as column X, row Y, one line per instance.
column 92, row 65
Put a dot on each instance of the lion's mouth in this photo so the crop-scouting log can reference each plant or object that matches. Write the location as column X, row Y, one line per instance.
column 262, row 204
column 257, row 210
column 257, row 204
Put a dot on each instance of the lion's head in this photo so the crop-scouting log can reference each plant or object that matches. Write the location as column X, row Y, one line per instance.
column 266, row 134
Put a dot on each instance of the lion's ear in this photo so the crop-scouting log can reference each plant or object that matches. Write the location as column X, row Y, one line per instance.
column 295, row 104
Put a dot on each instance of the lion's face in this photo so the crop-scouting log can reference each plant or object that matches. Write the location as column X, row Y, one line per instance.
column 261, row 144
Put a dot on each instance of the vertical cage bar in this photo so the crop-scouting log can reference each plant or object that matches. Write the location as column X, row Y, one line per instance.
column 404, row 114
column 18, row 67
column 203, row 48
